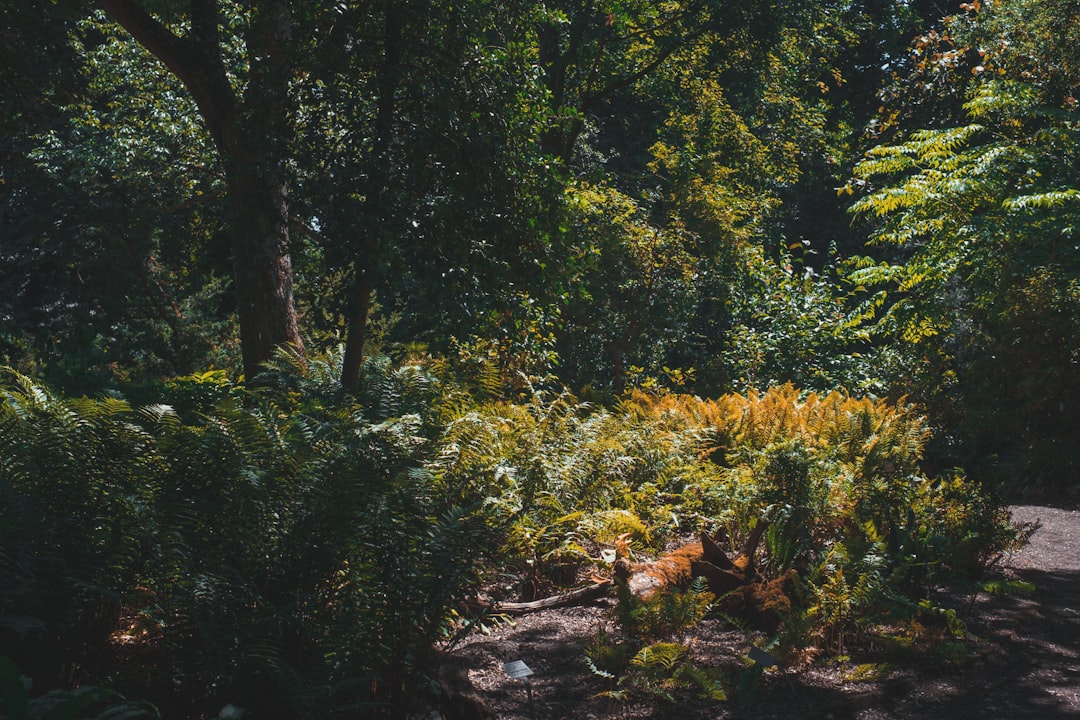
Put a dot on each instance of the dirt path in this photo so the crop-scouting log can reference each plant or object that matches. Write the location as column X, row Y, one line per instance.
column 1021, row 661
column 1028, row 663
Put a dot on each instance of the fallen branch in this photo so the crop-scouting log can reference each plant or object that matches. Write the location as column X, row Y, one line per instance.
column 734, row 581
column 703, row 558
column 574, row 597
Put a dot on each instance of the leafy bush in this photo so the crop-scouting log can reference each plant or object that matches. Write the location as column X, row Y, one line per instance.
column 276, row 549
column 791, row 323
column 84, row 703
column 568, row 476
column 972, row 207
column 838, row 478
column 290, row 547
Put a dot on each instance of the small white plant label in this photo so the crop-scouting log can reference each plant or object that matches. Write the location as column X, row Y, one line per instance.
column 517, row 669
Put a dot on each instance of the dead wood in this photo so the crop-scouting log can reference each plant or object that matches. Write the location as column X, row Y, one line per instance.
column 459, row 699
column 734, row 580
column 703, row 558
column 590, row 592
column 646, row 579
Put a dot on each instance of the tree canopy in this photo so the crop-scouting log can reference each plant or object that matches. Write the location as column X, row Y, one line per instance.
column 578, row 193
column 979, row 212
column 325, row 326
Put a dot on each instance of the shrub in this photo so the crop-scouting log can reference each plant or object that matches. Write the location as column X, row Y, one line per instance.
column 293, row 550
column 839, row 480
column 281, row 549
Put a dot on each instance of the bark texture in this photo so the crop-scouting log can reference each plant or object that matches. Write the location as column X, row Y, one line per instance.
column 252, row 134
column 734, row 581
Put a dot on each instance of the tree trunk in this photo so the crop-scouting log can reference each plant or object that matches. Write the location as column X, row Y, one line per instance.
column 561, row 137
column 357, row 331
column 386, row 88
column 252, row 136
column 262, row 265
column 255, row 154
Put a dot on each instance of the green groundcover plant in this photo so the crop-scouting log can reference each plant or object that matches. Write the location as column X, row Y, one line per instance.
column 298, row 552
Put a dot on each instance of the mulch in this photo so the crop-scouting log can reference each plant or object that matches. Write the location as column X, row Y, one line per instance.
column 1020, row 660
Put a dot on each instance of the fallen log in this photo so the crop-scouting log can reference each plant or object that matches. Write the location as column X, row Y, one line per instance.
column 584, row 594
column 734, row 581
column 647, row 579
column 702, row 558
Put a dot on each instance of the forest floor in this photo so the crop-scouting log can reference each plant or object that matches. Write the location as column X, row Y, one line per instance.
column 1020, row 659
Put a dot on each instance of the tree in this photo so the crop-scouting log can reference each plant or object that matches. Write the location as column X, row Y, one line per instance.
column 114, row 265
column 727, row 129
column 419, row 167
column 357, row 74
column 978, row 221
column 390, row 146
column 471, row 173
column 249, row 117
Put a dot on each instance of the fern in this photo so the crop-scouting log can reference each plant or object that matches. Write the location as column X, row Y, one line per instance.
column 663, row 668
column 661, row 657
column 288, row 537
column 257, row 530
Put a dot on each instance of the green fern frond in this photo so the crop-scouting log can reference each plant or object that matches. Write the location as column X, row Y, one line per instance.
column 597, row 670
column 709, row 682
column 159, row 416
column 663, row 656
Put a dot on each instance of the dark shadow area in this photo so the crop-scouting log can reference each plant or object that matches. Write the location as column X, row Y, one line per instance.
column 1029, row 656
column 1021, row 659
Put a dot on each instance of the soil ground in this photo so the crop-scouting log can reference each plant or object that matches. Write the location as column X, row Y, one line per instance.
column 1021, row 658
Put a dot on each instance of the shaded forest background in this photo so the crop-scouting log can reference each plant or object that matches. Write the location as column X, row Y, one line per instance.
column 584, row 195
column 296, row 275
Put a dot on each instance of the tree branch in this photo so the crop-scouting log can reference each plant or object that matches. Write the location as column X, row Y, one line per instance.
column 194, row 60
column 574, row 597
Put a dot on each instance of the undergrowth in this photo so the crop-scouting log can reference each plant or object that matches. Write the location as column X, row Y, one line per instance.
column 288, row 548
